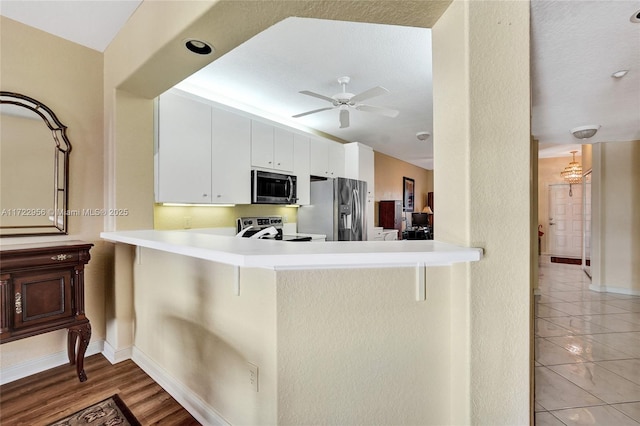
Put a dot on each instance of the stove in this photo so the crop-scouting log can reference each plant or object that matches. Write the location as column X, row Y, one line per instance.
column 260, row 223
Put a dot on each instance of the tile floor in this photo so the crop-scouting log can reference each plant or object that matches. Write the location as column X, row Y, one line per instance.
column 587, row 352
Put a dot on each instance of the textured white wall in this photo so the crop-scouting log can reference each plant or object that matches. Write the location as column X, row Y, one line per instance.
column 354, row 347
column 482, row 109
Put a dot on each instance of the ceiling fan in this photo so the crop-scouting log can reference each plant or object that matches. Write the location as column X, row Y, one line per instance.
column 345, row 100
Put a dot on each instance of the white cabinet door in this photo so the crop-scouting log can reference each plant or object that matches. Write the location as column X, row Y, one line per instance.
column 301, row 168
column 318, row 157
column 261, row 144
column 231, row 151
column 283, row 151
column 184, row 150
column 326, row 158
column 271, row 147
column 336, row 159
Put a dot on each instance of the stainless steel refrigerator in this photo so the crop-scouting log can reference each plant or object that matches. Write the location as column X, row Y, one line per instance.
column 337, row 210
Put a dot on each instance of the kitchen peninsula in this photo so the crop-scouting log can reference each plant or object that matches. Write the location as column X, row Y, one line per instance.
column 246, row 331
column 273, row 254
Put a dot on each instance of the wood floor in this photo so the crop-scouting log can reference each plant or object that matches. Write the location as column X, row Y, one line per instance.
column 51, row 395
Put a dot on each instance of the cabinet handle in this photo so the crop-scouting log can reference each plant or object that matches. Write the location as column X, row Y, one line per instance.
column 18, row 303
column 61, row 257
column 204, row 195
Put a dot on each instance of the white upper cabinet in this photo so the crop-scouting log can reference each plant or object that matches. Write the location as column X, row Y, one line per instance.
column 183, row 167
column 231, row 150
column 271, row 147
column 203, row 153
column 326, row 158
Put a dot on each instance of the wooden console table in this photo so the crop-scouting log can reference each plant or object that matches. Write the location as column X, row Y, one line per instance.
column 42, row 290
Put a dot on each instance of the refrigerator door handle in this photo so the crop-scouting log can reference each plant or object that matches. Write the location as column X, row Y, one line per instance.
column 355, row 224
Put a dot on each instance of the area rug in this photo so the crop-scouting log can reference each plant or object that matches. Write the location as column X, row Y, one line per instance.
column 109, row 412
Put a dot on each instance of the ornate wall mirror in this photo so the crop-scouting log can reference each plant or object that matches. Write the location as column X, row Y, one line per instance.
column 34, row 168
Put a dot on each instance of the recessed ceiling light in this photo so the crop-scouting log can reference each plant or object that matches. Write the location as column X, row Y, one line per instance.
column 198, row 46
column 619, row 74
column 635, row 17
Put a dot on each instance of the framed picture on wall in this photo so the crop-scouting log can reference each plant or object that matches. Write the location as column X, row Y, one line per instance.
column 408, row 193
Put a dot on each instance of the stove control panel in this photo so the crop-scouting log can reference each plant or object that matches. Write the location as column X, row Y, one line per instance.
column 258, row 223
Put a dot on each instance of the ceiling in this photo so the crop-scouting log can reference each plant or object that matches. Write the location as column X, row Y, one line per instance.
column 576, row 46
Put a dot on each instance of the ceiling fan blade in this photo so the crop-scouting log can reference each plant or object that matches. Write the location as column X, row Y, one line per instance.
column 311, row 112
column 387, row 112
column 317, row 95
column 344, row 118
column 374, row 91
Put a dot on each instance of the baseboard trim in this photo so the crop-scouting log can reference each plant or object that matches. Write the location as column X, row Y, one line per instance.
column 199, row 409
column 116, row 356
column 616, row 290
column 44, row 363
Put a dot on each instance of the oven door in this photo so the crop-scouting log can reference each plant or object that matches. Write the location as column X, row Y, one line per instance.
column 273, row 188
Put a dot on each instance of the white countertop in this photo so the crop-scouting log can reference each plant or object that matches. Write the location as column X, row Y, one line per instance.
column 275, row 254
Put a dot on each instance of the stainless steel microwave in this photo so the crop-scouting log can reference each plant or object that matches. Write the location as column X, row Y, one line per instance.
column 273, row 188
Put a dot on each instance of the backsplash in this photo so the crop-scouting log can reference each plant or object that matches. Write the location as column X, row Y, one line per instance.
column 187, row 217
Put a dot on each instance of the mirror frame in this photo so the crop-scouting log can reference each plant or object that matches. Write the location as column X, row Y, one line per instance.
column 60, row 180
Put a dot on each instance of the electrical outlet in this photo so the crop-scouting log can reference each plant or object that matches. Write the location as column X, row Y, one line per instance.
column 253, row 376
column 187, row 222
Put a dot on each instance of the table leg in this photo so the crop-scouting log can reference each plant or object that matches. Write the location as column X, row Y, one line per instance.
column 83, row 333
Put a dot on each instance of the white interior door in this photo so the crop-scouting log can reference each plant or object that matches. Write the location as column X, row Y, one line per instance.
column 565, row 221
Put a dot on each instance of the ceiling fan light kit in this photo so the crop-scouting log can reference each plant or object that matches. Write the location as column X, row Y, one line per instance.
column 345, row 100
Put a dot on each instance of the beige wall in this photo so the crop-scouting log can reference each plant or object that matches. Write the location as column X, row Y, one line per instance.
column 68, row 79
column 481, row 114
column 615, row 254
column 587, row 157
column 389, row 172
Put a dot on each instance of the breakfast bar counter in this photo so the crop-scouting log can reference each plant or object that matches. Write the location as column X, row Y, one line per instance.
column 282, row 255
column 364, row 322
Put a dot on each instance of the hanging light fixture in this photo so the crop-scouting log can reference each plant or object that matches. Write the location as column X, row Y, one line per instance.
column 572, row 173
